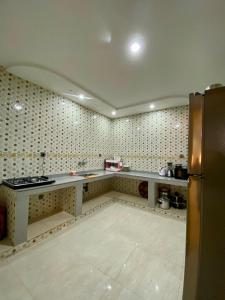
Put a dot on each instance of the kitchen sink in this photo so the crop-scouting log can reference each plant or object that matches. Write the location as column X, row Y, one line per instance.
column 89, row 175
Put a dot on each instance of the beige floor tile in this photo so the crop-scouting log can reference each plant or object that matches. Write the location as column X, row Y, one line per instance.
column 5, row 245
column 48, row 223
column 119, row 252
column 11, row 287
column 95, row 202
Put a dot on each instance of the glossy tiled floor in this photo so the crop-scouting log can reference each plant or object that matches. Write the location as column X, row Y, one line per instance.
column 119, row 252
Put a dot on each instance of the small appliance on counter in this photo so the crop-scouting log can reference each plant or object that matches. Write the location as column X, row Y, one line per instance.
column 113, row 165
column 167, row 171
column 181, row 172
column 26, row 182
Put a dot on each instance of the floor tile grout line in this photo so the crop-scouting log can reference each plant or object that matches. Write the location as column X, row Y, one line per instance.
column 113, row 199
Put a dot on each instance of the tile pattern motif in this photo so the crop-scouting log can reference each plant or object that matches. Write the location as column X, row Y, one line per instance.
column 148, row 141
column 66, row 131
column 69, row 132
column 98, row 188
column 8, row 199
column 126, row 185
column 46, row 204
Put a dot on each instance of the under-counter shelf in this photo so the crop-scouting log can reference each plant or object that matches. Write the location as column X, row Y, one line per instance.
column 37, row 228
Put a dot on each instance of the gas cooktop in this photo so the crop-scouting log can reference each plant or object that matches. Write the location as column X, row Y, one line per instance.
column 25, row 182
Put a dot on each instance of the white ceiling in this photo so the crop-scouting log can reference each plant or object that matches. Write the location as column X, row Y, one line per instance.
column 83, row 46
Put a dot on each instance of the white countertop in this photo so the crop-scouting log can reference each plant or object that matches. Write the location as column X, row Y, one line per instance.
column 63, row 180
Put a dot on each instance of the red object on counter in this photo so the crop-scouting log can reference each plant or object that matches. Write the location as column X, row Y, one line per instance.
column 3, row 223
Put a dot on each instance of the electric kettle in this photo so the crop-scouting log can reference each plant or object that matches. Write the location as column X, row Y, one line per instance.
column 163, row 171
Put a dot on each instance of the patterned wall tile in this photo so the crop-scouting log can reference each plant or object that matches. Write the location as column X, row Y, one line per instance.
column 126, row 185
column 69, row 132
column 98, row 188
column 65, row 130
column 47, row 204
column 148, row 141
column 8, row 199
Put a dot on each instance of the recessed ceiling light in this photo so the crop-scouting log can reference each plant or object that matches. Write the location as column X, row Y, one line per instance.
column 80, row 96
column 135, row 47
column 18, row 106
column 113, row 112
column 152, row 106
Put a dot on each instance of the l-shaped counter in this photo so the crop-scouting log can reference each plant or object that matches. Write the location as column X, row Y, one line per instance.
column 64, row 181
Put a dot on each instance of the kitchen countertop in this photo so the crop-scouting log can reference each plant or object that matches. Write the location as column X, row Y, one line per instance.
column 67, row 180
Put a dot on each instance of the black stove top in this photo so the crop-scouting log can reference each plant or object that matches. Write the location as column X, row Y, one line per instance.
column 25, row 182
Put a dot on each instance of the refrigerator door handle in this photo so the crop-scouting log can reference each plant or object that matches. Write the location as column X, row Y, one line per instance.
column 195, row 159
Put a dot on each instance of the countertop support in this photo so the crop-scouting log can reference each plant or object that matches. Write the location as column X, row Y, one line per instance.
column 65, row 181
column 78, row 198
column 21, row 218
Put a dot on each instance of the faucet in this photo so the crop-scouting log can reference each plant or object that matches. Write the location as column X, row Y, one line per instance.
column 82, row 162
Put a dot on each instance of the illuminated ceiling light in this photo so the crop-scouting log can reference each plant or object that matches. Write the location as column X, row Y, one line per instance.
column 18, row 106
column 152, row 106
column 80, row 96
column 113, row 112
column 135, row 48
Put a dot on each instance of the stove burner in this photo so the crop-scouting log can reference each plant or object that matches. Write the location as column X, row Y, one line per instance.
column 24, row 182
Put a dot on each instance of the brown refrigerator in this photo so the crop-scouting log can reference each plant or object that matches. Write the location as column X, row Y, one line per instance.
column 204, row 277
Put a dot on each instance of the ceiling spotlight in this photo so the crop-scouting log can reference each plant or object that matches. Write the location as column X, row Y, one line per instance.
column 135, row 47
column 152, row 106
column 80, row 96
column 18, row 106
column 113, row 112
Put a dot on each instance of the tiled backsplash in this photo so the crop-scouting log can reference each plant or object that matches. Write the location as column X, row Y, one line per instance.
column 148, row 141
column 48, row 122
column 69, row 132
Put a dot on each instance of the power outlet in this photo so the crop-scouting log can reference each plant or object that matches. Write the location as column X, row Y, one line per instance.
column 43, row 154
